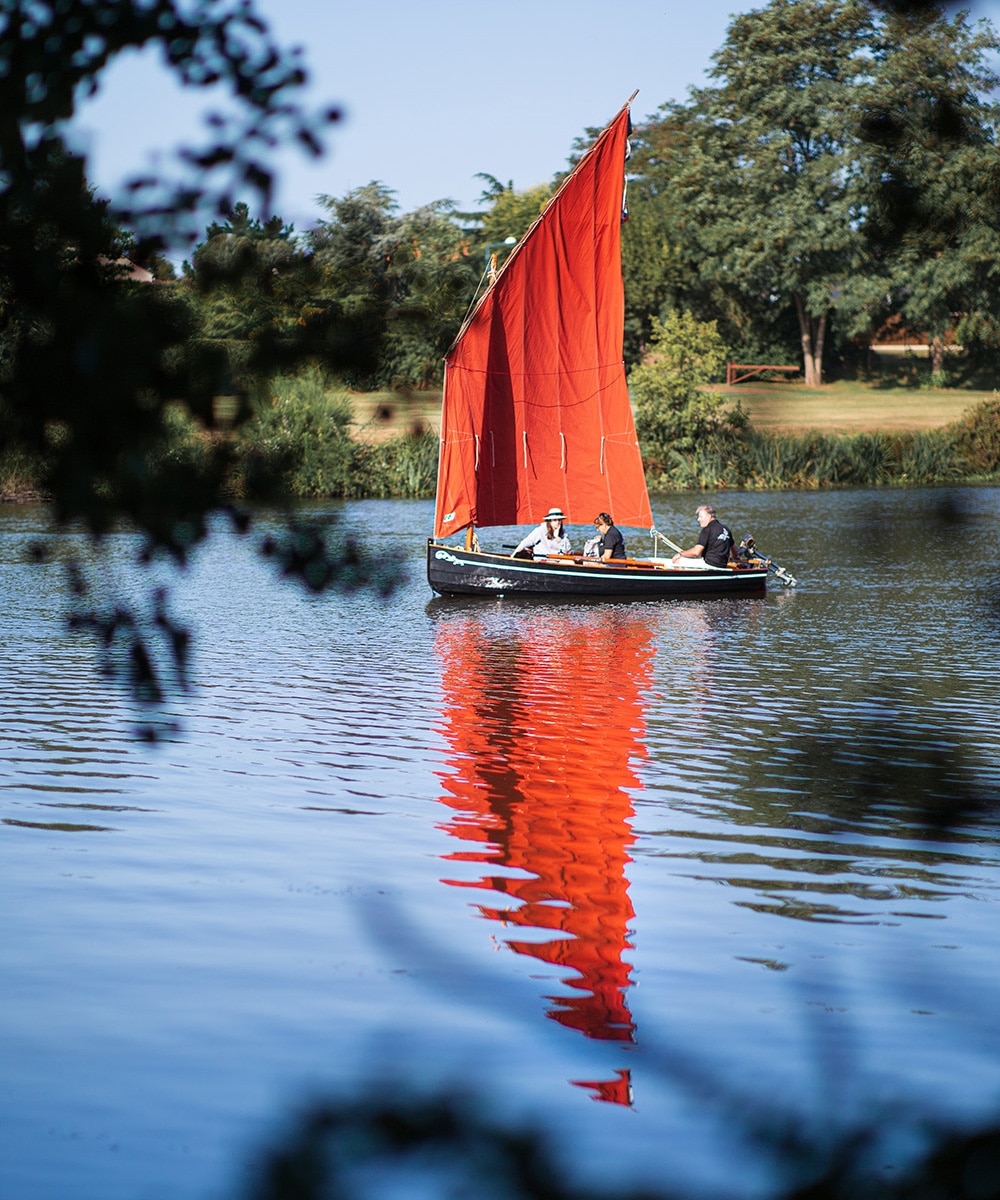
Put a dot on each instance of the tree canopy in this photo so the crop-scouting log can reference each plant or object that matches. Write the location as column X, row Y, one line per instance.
column 840, row 166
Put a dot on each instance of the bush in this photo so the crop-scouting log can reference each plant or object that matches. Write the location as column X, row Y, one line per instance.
column 673, row 410
column 977, row 438
column 299, row 446
column 298, row 443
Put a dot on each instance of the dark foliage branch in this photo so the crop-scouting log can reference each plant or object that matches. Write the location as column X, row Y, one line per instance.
column 347, row 1151
column 90, row 363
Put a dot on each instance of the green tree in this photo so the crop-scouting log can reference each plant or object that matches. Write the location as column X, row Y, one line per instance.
column 842, row 164
column 433, row 275
column 407, row 280
column 768, row 175
column 663, row 264
column 932, row 231
column 353, row 247
column 653, row 269
column 508, row 212
column 247, row 275
column 260, row 298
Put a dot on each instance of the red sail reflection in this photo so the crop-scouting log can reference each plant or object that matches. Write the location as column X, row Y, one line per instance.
column 544, row 712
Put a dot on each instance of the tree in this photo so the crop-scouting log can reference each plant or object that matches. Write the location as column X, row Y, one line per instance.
column 932, row 233
column 433, row 274
column 407, row 279
column 768, row 179
column 664, row 264
column 841, row 164
column 509, row 213
column 259, row 297
column 652, row 268
column 91, row 365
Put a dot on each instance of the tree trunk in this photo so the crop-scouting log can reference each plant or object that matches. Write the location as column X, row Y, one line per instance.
column 937, row 358
column 813, row 331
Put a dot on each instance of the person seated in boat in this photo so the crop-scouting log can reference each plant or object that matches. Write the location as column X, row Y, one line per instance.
column 715, row 543
column 610, row 543
column 548, row 538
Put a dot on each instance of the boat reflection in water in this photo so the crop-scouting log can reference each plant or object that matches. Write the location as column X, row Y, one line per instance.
column 543, row 711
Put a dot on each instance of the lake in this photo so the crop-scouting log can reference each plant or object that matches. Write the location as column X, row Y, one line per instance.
column 633, row 874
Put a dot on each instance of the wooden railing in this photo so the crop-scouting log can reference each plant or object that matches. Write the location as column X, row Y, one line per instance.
column 750, row 369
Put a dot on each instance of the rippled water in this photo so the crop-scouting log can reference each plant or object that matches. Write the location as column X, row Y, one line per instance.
column 677, row 858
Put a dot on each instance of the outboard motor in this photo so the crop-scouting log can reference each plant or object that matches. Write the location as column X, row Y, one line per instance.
column 747, row 551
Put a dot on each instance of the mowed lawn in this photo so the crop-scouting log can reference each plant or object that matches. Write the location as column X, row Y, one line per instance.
column 382, row 415
column 784, row 407
column 851, row 407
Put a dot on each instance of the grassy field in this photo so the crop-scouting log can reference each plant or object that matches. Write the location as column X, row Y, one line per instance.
column 851, row 407
column 382, row 415
column 785, row 407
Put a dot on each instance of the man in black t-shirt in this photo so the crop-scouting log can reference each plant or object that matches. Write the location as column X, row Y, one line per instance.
column 714, row 542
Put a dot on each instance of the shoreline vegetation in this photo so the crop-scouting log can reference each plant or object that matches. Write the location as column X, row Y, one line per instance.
column 314, row 440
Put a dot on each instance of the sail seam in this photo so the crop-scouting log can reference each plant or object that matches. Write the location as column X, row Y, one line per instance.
column 609, row 366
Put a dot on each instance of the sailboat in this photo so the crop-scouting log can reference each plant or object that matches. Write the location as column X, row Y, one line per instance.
column 536, row 412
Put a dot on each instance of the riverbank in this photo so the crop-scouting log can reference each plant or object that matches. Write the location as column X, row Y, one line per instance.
column 317, row 442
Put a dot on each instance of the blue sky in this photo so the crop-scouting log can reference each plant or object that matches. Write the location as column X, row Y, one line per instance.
column 434, row 91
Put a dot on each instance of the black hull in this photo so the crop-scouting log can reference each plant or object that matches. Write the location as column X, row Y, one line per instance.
column 456, row 572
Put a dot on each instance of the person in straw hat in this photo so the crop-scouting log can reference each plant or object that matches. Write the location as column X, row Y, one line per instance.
column 548, row 538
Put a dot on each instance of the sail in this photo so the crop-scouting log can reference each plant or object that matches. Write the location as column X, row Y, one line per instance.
column 535, row 410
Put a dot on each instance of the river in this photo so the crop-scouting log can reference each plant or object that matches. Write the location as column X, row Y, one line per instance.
column 630, row 873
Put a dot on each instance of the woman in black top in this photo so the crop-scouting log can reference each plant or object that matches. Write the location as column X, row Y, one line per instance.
column 612, row 544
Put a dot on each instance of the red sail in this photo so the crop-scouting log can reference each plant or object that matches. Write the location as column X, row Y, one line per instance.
column 536, row 410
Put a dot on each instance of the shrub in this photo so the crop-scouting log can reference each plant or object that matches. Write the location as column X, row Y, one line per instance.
column 298, row 443
column 977, row 437
column 673, row 410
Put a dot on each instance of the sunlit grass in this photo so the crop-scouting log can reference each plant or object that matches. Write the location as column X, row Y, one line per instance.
column 844, row 407
column 850, row 407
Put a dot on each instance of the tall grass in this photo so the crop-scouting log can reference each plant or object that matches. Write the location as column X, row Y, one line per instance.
column 20, row 476
column 406, row 466
column 755, row 459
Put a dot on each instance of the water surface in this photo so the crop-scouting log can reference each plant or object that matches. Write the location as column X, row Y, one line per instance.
column 626, row 870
